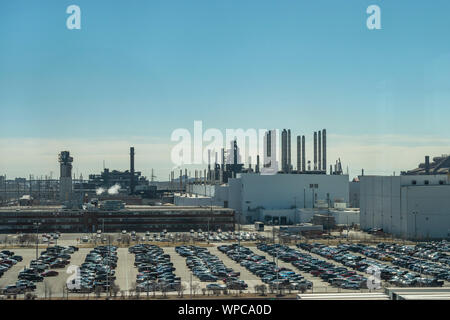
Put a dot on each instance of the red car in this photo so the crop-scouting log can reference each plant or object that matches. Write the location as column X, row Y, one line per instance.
column 49, row 273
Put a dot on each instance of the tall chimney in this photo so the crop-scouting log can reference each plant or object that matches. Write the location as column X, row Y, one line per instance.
column 320, row 151
column 209, row 165
column 235, row 153
column 284, row 153
column 299, row 153
column 303, row 154
column 427, row 164
column 289, row 162
column 315, row 150
column 132, row 170
column 257, row 164
column 324, row 151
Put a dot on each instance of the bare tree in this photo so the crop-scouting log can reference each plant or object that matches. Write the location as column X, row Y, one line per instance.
column 180, row 289
column 195, row 287
column 133, row 289
column 115, row 289
column 164, row 290
column 263, row 289
column 98, row 291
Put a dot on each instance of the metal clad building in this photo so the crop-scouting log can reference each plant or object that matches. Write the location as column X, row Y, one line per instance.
column 250, row 192
column 412, row 206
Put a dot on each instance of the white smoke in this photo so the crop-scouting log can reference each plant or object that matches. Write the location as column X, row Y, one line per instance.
column 99, row 191
column 114, row 189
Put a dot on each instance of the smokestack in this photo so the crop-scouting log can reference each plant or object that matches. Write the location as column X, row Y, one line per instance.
column 132, row 170
column 324, row 151
column 303, row 154
column 289, row 163
column 235, row 161
column 319, row 149
column 427, row 164
column 257, row 164
column 209, row 165
column 299, row 153
column 315, row 150
column 284, row 153
column 181, row 181
column 222, row 172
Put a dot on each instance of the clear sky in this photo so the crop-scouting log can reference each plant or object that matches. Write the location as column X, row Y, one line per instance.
column 137, row 70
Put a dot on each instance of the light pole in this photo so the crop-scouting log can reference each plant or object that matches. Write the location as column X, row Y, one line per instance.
column 37, row 224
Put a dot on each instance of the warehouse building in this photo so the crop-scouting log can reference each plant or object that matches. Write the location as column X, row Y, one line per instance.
column 408, row 206
column 115, row 217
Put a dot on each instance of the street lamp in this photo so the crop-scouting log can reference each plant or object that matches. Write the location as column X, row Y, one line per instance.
column 37, row 224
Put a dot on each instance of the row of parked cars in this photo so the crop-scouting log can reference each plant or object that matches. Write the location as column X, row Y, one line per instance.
column 404, row 259
column 97, row 272
column 267, row 271
column 337, row 276
column 208, row 267
column 156, row 271
column 390, row 273
column 7, row 260
column 436, row 251
column 51, row 258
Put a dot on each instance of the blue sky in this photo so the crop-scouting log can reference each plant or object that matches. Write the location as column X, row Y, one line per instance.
column 145, row 68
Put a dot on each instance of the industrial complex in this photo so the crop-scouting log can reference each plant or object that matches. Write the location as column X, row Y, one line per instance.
column 413, row 205
column 224, row 219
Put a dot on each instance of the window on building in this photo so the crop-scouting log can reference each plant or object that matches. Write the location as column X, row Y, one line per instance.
column 414, row 182
column 441, row 182
column 427, row 182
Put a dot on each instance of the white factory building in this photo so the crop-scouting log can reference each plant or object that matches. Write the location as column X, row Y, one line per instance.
column 408, row 206
column 255, row 196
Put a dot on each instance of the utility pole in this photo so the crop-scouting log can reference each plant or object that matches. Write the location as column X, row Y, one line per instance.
column 37, row 224
column 190, row 283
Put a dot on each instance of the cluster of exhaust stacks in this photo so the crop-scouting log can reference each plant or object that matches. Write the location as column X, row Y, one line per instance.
column 320, row 152
column 220, row 173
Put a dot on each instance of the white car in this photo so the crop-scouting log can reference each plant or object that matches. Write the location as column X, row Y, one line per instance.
column 124, row 231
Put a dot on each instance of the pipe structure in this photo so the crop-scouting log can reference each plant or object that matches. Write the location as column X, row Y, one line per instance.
column 324, row 152
column 315, row 151
column 303, row 155
column 319, row 149
column 299, row 153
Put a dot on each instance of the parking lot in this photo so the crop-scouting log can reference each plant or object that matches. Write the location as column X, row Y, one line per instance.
column 401, row 265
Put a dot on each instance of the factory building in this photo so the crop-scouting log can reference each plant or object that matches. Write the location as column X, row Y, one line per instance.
column 250, row 193
column 407, row 206
column 257, row 197
column 115, row 217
